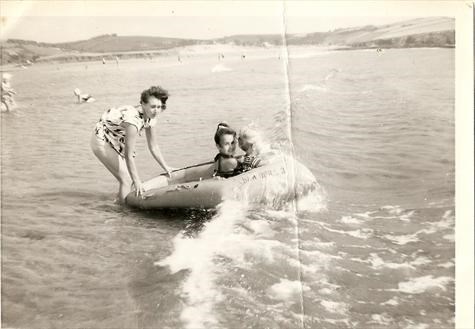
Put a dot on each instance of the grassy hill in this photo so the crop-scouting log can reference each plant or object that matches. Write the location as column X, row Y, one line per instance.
column 19, row 51
column 420, row 32
column 114, row 43
column 428, row 31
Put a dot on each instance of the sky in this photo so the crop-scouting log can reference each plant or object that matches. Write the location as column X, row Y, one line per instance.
column 60, row 21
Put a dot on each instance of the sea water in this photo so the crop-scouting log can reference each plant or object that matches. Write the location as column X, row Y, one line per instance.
column 372, row 248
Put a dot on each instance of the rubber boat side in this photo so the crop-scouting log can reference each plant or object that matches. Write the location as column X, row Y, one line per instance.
column 281, row 180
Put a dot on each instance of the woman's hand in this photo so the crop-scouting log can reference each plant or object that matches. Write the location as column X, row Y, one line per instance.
column 139, row 190
column 169, row 170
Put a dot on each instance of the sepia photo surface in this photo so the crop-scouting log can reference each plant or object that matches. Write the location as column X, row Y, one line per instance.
column 343, row 197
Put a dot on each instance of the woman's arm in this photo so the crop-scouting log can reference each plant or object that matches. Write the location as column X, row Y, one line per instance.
column 129, row 152
column 155, row 150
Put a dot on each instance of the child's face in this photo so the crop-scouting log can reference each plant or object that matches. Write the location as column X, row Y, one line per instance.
column 243, row 144
column 227, row 145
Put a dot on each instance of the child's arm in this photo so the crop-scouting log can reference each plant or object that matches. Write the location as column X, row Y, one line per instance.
column 228, row 165
column 215, row 171
column 257, row 162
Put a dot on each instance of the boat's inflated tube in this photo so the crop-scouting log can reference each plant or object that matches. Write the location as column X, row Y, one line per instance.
column 282, row 179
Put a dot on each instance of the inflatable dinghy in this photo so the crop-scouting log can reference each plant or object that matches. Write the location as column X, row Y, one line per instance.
column 281, row 180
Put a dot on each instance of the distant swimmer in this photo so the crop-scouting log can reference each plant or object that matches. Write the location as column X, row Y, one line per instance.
column 8, row 103
column 83, row 98
column 243, row 57
column 331, row 74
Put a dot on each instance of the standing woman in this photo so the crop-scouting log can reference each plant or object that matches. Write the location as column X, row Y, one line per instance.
column 115, row 135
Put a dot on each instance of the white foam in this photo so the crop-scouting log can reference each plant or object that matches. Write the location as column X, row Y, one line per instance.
column 197, row 255
column 450, row 237
column 417, row 326
column 261, row 228
column 393, row 210
column 325, row 291
column 422, row 260
column 447, row 214
column 383, row 319
column 398, row 212
column 350, row 220
column 314, row 267
column 286, row 290
column 378, row 263
column 393, row 301
column 328, row 288
column 364, row 233
column 220, row 68
column 358, row 260
column 447, row 223
column 422, row 284
column 430, row 230
column 319, row 245
column 314, row 201
column 335, row 307
column 402, row 239
column 281, row 215
column 320, row 256
column 346, row 322
column 361, row 234
column 407, row 217
column 365, row 215
column 446, row 265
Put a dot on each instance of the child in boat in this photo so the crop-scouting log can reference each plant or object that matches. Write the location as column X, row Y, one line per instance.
column 224, row 161
column 256, row 151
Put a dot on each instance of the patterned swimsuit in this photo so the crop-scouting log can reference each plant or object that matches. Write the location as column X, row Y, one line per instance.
column 109, row 127
column 219, row 172
column 246, row 163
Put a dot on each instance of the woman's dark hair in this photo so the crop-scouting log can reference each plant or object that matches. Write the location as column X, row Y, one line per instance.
column 154, row 91
column 223, row 129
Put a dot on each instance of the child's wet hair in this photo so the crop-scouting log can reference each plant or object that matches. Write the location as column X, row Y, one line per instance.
column 223, row 129
column 154, row 91
column 251, row 135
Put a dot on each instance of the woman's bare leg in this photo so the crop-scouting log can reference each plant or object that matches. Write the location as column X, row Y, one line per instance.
column 114, row 163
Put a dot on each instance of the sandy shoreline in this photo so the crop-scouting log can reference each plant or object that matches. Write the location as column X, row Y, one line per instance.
column 187, row 53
